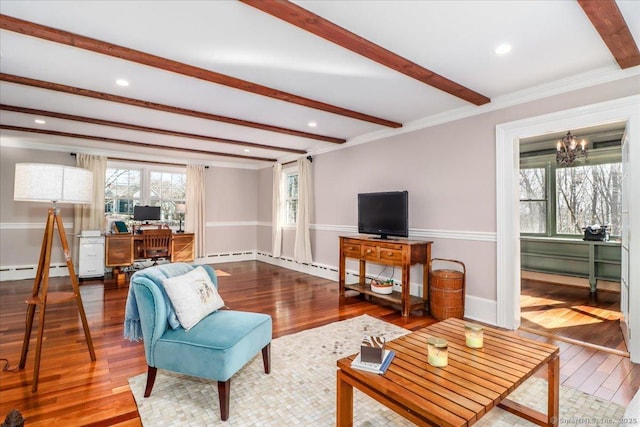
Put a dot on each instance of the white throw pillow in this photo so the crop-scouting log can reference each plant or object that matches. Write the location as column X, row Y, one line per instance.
column 193, row 296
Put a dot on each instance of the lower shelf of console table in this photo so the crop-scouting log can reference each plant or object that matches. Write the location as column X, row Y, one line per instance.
column 415, row 303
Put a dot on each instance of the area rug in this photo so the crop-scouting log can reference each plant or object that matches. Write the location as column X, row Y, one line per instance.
column 301, row 389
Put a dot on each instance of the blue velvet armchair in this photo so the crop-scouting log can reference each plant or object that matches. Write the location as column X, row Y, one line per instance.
column 215, row 348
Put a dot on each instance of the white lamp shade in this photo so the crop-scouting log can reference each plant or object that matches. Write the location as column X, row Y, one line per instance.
column 41, row 182
column 181, row 208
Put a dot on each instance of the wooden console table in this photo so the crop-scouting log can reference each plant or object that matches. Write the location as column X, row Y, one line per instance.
column 122, row 249
column 398, row 253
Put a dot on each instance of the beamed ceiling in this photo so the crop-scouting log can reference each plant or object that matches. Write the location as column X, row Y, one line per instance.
column 240, row 82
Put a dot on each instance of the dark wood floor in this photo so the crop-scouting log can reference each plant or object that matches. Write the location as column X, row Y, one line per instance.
column 73, row 391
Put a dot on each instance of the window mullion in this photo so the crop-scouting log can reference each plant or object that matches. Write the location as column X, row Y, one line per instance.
column 551, row 199
column 145, row 185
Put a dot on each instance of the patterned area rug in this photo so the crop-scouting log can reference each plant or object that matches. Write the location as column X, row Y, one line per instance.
column 301, row 389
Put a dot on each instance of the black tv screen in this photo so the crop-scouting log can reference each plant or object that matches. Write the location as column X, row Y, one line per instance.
column 146, row 213
column 385, row 214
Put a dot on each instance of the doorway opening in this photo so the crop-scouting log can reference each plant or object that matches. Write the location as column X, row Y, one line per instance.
column 508, row 136
column 570, row 287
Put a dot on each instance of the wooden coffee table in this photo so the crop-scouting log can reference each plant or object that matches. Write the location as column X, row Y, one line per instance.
column 475, row 380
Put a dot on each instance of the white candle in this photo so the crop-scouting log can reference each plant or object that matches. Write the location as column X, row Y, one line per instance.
column 437, row 352
column 473, row 335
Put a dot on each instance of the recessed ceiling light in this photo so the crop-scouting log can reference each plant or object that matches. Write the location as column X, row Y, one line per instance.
column 312, row 124
column 40, row 121
column 246, row 150
column 503, row 49
column 122, row 82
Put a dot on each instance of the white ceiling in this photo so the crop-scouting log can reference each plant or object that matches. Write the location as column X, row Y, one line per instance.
column 551, row 40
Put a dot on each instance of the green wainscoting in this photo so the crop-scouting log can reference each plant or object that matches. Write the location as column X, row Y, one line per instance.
column 571, row 257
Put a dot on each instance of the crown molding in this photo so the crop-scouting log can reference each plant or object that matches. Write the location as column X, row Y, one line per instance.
column 534, row 93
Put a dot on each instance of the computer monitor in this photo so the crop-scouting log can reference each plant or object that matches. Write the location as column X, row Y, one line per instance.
column 146, row 213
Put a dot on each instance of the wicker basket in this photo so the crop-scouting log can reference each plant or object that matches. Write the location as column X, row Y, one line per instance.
column 447, row 291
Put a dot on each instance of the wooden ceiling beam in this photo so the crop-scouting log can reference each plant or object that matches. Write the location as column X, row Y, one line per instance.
column 76, row 40
column 607, row 19
column 130, row 126
column 160, row 107
column 315, row 24
column 131, row 143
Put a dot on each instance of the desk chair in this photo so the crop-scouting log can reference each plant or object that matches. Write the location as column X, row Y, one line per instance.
column 156, row 244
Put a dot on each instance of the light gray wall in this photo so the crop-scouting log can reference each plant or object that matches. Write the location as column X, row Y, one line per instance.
column 231, row 210
column 22, row 223
column 232, row 205
column 450, row 173
column 448, row 169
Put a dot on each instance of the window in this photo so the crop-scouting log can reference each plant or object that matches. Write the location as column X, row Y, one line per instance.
column 533, row 200
column 127, row 187
column 121, row 191
column 167, row 189
column 588, row 195
column 558, row 201
column 291, row 197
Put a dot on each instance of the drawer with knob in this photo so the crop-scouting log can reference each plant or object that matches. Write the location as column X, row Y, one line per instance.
column 351, row 249
column 369, row 253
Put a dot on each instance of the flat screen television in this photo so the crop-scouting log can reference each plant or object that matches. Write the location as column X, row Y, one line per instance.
column 385, row 214
column 146, row 213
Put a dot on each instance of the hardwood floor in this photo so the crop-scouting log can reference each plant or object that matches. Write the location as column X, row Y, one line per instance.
column 577, row 315
column 572, row 312
column 73, row 391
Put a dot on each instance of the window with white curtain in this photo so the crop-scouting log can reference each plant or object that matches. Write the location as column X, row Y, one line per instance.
column 127, row 186
column 290, row 180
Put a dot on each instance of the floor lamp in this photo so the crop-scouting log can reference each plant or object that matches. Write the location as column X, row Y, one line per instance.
column 38, row 182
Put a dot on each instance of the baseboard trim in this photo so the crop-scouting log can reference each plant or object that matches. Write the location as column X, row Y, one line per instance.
column 23, row 272
column 481, row 310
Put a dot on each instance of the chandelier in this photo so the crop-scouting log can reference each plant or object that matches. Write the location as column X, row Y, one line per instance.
column 568, row 152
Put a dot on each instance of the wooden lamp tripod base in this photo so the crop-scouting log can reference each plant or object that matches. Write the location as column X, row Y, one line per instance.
column 41, row 297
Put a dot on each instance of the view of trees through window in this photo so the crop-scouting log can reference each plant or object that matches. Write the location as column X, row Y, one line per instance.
column 533, row 200
column 122, row 189
column 126, row 188
column 167, row 189
column 291, row 199
column 582, row 195
column 588, row 195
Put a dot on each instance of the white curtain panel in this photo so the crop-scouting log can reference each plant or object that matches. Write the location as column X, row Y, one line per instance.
column 302, row 247
column 91, row 216
column 194, row 219
column 276, row 212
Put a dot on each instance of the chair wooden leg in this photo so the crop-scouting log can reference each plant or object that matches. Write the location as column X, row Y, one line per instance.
column 266, row 358
column 151, row 379
column 224, row 393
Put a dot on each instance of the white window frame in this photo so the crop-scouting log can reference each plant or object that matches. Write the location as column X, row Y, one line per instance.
column 145, row 180
column 286, row 174
column 596, row 157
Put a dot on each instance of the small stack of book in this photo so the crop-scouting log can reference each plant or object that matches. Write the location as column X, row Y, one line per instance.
column 376, row 368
